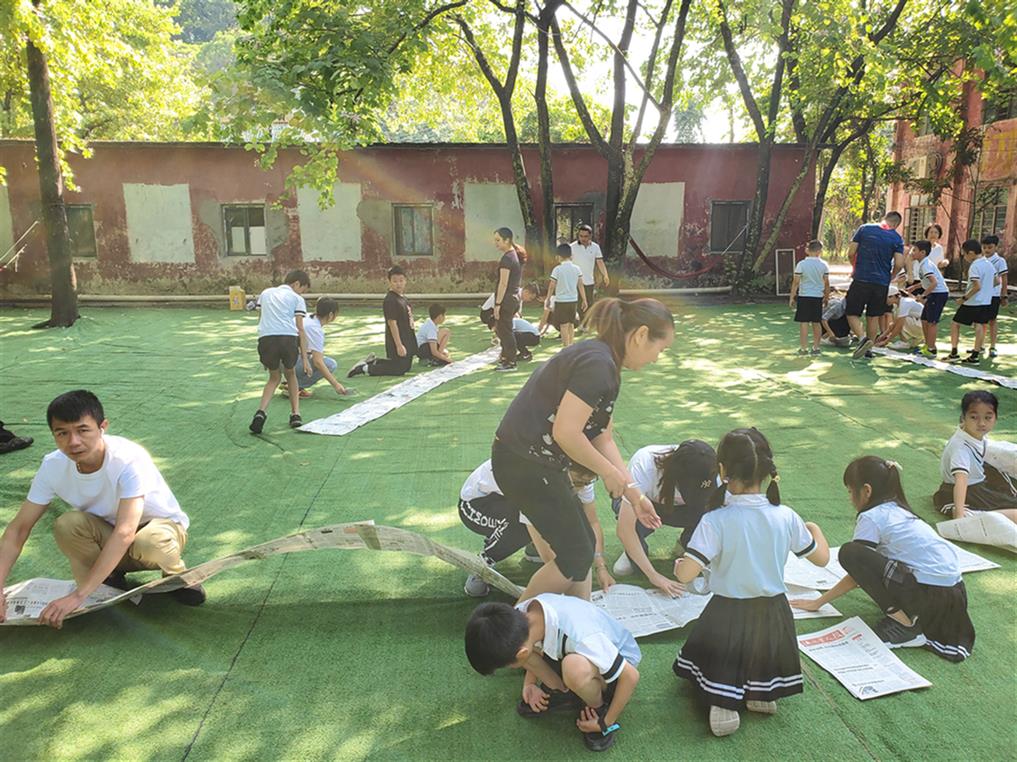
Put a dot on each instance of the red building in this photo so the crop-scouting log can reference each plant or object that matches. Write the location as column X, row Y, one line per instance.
column 977, row 200
column 201, row 215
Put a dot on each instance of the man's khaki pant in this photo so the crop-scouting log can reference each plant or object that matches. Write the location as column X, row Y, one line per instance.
column 157, row 545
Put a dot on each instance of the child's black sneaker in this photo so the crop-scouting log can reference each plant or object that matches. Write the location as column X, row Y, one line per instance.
column 896, row 635
column 258, row 422
column 972, row 359
column 504, row 366
column 557, row 701
column 296, row 421
column 992, row 352
column 9, row 441
column 117, row 579
column 864, row 345
column 525, row 356
column 190, row 596
column 953, row 356
column 601, row 740
column 361, row 367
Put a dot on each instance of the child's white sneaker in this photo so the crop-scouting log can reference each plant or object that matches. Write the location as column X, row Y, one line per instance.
column 623, row 567
column 476, row 587
column 723, row 722
column 763, row 707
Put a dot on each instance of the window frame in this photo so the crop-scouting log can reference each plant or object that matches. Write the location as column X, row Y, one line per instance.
column 572, row 207
column 246, row 207
column 917, row 218
column 68, row 208
column 397, row 226
column 997, row 209
column 730, row 247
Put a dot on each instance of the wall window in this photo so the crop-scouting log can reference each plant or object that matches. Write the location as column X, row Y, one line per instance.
column 82, row 230
column 1001, row 106
column 728, row 225
column 918, row 218
column 568, row 217
column 989, row 216
column 245, row 230
column 413, row 231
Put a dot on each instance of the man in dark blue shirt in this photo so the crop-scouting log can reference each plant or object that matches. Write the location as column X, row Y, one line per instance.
column 879, row 251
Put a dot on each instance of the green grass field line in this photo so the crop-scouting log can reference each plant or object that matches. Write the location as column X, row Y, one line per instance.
column 353, row 655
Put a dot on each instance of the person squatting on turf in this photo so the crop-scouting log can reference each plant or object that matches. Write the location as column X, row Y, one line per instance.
column 810, row 289
column 911, row 573
column 400, row 339
column 483, row 509
column 678, row 480
column 506, row 299
column 975, row 307
column 281, row 339
column 968, row 481
column 123, row 516
column 576, row 657
column 990, row 243
column 325, row 311
column 433, row 338
column 836, row 330
column 742, row 651
column 563, row 415
column 935, row 292
column 879, row 253
column 566, row 289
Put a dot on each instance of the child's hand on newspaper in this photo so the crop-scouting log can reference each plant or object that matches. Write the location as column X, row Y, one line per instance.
column 806, row 604
column 671, row 587
column 535, row 698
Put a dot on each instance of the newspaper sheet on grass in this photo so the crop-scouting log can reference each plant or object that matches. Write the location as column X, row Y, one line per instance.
column 982, row 527
column 960, row 370
column 859, row 660
column 396, row 396
column 34, row 594
column 647, row 612
column 801, row 572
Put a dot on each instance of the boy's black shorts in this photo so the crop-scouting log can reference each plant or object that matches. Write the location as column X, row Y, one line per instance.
column 869, row 298
column 278, row 350
column 565, row 312
column 934, row 304
column 609, row 690
column 809, row 309
column 967, row 314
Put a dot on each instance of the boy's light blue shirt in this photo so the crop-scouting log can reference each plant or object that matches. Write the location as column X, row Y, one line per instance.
column 567, row 277
column 812, row 271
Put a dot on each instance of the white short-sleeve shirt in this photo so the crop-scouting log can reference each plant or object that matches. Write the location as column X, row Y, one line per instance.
column 127, row 471
column 646, row 476
column 524, row 326
column 575, row 626
column 813, row 271
column 963, row 453
column 315, row 332
column 927, row 269
column 745, row 544
column 936, row 255
column 480, row 483
column 910, row 308
column 982, row 271
column 1000, row 266
column 428, row 331
column 899, row 535
column 280, row 306
column 586, row 257
column 567, row 277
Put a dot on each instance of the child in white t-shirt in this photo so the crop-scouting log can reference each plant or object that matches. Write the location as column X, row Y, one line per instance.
column 907, row 321
column 433, row 338
column 566, row 289
column 911, row 573
column 810, row 292
column 968, row 481
column 322, row 367
column 935, row 294
column 742, row 652
column 975, row 307
column 999, row 291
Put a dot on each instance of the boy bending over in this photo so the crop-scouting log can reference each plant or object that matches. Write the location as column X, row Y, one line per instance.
column 574, row 655
column 124, row 517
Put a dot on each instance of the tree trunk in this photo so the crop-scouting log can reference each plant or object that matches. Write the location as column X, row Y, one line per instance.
column 64, row 304
column 754, row 233
column 519, row 173
column 785, row 207
column 547, row 242
column 824, row 185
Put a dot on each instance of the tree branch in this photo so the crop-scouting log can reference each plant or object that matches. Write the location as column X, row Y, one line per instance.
column 428, row 18
column 577, row 97
column 651, row 66
column 735, row 61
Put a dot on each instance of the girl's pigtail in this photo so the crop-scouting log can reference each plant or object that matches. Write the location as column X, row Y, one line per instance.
column 773, row 489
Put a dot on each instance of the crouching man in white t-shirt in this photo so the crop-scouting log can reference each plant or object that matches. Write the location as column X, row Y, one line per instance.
column 124, row 517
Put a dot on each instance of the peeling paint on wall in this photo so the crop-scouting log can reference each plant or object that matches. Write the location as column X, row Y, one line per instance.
column 657, row 218
column 330, row 235
column 159, row 222
column 489, row 206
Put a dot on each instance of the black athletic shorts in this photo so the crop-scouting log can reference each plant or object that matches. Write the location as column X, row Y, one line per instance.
column 994, row 308
column 278, row 350
column 809, row 309
column 934, row 304
column 869, row 298
column 967, row 314
column 565, row 312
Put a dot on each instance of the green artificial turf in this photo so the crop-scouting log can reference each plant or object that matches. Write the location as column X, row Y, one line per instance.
column 355, row 654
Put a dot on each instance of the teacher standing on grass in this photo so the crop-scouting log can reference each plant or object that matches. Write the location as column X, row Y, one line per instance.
column 506, row 295
column 563, row 416
column 587, row 254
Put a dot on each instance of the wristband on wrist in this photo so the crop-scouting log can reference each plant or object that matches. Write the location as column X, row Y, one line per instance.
column 606, row 729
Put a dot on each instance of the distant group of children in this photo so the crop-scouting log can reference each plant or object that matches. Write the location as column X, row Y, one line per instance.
column 742, row 652
column 903, row 297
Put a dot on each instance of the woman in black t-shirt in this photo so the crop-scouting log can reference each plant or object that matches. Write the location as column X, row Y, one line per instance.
column 563, row 415
column 506, row 295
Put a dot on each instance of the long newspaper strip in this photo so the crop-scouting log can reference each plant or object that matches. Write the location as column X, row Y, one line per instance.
column 982, row 527
column 647, row 612
column 33, row 595
column 1002, row 456
column 859, row 660
column 799, row 571
column 960, row 370
column 396, row 396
